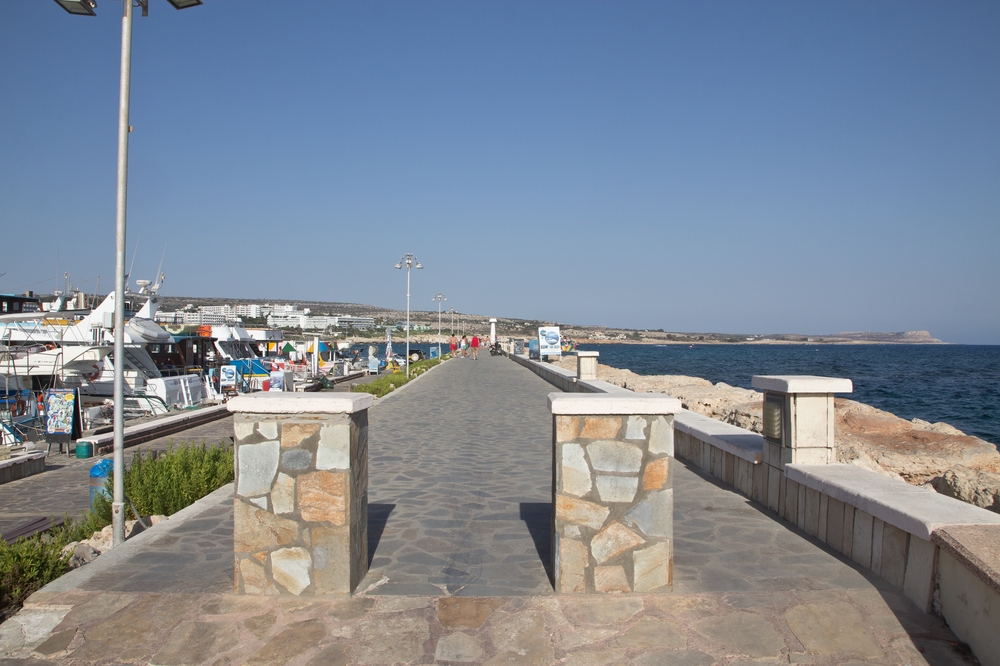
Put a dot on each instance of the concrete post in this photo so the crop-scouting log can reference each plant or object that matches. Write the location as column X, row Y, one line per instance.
column 301, row 506
column 612, row 492
column 799, row 418
column 586, row 364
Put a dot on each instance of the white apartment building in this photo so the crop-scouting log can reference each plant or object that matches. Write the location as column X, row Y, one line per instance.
column 252, row 311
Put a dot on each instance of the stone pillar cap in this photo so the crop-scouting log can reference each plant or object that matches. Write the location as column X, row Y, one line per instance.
column 613, row 403
column 588, row 353
column 281, row 402
column 802, row 384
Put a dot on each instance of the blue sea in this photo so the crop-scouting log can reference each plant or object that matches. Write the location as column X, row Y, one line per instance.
column 957, row 384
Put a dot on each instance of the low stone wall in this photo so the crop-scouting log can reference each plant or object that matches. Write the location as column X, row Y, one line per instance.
column 301, row 505
column 562, row 379
column 21, row 466
column 160, row 427
column 612, row 528
column 565, row 380
column 968, row 574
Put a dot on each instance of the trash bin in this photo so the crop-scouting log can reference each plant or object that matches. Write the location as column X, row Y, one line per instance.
column 434, row 352
column 99, row 474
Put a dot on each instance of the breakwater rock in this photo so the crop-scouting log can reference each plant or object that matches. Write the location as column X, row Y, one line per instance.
column 920, row 453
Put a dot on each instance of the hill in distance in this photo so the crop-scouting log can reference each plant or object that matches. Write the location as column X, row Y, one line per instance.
column 519, row 327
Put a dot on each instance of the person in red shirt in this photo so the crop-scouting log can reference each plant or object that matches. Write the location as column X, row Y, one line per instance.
column 475, row 347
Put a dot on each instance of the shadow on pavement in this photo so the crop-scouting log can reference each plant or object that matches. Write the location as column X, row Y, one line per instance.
column 378, row 516
column 538, row 518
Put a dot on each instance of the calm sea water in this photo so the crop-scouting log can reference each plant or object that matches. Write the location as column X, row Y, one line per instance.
column 957, row 384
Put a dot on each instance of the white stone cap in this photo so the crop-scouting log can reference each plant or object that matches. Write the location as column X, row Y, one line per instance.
column 802, row 384
column 588, row 354
column 741, row 443
column 918, row 511
column 281, row 402
column 613, row 403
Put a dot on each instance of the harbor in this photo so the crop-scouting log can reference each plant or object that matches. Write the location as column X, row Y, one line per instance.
column 458, row 568
column 512, row 334
column 57, row 367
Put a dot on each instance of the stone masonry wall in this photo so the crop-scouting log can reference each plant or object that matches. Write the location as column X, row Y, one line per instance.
column 301, row 506
column 613, row 497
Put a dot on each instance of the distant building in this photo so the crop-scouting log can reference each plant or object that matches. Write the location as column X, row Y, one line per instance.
column 360, row 323
column 187, row 317
column 401, row 325
column 252, row 311
column 285, row 310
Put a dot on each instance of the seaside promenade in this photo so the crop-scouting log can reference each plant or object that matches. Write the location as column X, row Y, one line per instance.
column 460, row 504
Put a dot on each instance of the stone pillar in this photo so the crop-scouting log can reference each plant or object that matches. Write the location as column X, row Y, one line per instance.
column 586, row 364
column 799, row 418
column 612, row 527
column 301, row 506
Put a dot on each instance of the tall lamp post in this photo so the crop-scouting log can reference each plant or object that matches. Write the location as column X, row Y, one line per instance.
column 87, row 8
column 452, row 311
column 440, row 297
column 409, row 261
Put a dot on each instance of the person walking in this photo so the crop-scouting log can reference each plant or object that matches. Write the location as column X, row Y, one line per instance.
column 475, row 347
column 453, row 345
column 464, row 344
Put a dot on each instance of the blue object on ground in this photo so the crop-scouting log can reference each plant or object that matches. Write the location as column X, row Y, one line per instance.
column 99, row 474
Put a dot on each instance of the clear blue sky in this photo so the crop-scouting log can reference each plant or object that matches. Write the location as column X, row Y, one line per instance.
column 714, row 166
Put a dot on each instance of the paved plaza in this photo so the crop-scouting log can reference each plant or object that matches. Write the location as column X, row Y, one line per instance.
column 460, row 476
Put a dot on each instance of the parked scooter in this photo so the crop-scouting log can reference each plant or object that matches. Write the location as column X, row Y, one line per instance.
column 495, row 349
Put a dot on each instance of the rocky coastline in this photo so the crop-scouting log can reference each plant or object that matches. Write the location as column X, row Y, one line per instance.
column 933, row 455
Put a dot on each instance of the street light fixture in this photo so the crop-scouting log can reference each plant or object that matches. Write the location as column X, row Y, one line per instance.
column 452, row 311
column 79, row 7
column 409, row 261
column 86, row 8
column 440, row 297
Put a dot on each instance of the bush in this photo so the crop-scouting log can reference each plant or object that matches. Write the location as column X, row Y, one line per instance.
column 167, row 484
column 386, row 383
column 29, row 563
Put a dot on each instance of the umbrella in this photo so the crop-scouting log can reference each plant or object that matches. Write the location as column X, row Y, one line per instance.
column 289, row 347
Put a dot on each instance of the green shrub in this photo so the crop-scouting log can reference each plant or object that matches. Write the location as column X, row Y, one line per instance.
column 167, row 484
column 31, row 562
column 386, row 383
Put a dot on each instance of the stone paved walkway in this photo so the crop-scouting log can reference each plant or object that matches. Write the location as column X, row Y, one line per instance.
column 748, row 588
column 460, row 483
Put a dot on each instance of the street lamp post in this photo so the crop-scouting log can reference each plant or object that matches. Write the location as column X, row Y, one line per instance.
column 86, row 8
column 440, row 297
column 452, row 311
column 408, row 260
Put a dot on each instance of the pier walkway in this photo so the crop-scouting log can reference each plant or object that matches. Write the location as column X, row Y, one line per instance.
column 460, row 474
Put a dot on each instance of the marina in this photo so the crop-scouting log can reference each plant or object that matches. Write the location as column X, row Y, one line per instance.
column 169, row 370
column 460, row 569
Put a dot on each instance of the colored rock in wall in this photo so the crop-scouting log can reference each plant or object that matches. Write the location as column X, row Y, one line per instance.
column 301, row 505
column 613, row 497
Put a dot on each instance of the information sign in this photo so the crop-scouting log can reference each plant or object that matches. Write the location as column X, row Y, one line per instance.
column 548, row 341
column 62, row 415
